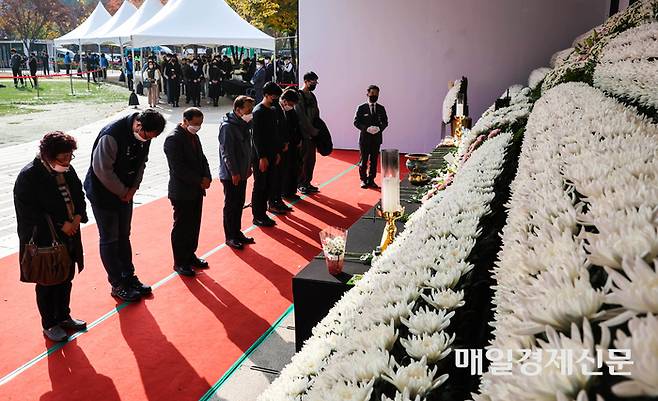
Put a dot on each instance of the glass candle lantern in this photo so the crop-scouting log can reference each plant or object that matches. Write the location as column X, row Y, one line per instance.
column 390, row 180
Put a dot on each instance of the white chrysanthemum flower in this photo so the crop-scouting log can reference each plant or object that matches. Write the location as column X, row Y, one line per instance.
column 416, row 378
column 404, row 396
column 637, row 290
column 643, row 344
column 427, row 321
column 450, row 100
column 445, row 299
column 433, row 347
column 363, row 365
column 381, row 336
column 341, row 391
column 537, row 76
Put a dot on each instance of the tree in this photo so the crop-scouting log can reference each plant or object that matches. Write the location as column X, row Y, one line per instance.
column 29, row 20
column 113, row 5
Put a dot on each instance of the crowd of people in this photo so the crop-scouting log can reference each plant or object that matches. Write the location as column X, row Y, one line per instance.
column 266, row 140
column 18, row 62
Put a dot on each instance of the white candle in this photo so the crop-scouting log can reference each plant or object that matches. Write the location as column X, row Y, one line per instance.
column 390, row 194
column 460, row 109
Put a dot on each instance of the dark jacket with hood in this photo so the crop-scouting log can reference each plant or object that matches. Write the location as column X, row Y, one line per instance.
column 234, row 147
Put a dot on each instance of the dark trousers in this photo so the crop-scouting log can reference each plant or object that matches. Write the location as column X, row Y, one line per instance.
column 308, row 162
column 46, row 69
column 195, row 93
column 165, row 85
column 53, row 302
column 263, row 186
column 234, row 198
column 33, row 80
column 173, row 92
column 369, row 152
column 130, row 81
column 277, row 180
column 185, row 233
column 116, row 251
column 68, row 68
column 290, row 162
column 16, row 72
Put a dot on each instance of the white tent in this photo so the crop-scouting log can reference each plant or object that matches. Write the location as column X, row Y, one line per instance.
column 148, row 10
column 97, row 18
column 100, row 35
column 200, row 22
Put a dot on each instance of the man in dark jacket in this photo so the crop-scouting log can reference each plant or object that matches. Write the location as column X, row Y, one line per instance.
column 173, row 72
column 288, row 132
column 214, row 81
column 267, row 155
column 371, row 120
column 195, row 79
column 269, row 70
column 308, row 112
column 118, row 159
column 235, row 167
column 33, row 64
column 185, row 70
column 16, row 62
column 258, row 81
column 189, row 178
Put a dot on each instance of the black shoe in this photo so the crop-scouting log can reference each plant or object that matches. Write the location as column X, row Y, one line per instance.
column 56, row 333
column 126, row 293
column 305, row 190
column 283, row 206
column 364, row 184
column 200, row 263
column 184, row 271
column 235, row 244
column 292, row 197
column 313, row 188
column 275, row 209
column 247, row 240
column 73, row 324
column 266, row 222
column 139, row 286
column 373, row 185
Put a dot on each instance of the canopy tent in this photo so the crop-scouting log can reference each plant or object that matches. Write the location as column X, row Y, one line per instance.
column 103, row 34
column 97, row 18
column 199, row 22
column 148, row 10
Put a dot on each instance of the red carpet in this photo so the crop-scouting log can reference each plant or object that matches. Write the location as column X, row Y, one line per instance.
column 175, row 345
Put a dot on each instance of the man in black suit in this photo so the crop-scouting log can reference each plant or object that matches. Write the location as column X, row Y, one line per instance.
column 16, row 63
column 266, row 153
column 195, row 78
column 189, row 178
column 287, row 128
column 371, row 120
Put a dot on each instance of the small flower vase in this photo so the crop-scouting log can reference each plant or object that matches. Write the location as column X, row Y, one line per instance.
column 335, row 263
column 333, row 241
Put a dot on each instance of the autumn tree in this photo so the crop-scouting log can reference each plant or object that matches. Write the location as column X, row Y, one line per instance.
column 29, row 20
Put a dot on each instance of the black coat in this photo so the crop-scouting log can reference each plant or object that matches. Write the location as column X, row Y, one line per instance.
column 195, row 75
column 173, row 71
column 187, row 165
column 288, row 126
column 364, row 119
column 265, row 133
column 35, row 195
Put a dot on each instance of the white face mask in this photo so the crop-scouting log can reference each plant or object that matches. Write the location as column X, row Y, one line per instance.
column 248, row 117
column 287, row 108
column 193, row 128
column 139, row 137
column 59, row 169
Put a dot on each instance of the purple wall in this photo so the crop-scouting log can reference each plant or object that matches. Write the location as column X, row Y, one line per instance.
column 412, row 48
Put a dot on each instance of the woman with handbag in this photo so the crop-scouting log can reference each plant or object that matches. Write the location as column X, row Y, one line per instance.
column 151, row 77
column 50, row 206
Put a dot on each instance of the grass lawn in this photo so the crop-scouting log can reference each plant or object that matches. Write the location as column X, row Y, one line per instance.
column 52, row 91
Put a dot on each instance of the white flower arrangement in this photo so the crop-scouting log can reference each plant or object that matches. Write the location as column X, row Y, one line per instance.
column 450, row 100
column 334, row 246
column 350, row 347
column 583, row 200
column 537, row 77
column 628, row 66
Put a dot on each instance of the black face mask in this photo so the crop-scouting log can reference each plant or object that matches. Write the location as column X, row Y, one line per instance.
column 312, row 87
column 373, row 99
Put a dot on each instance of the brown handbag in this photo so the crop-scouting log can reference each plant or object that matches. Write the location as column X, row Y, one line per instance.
column 46, row 265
